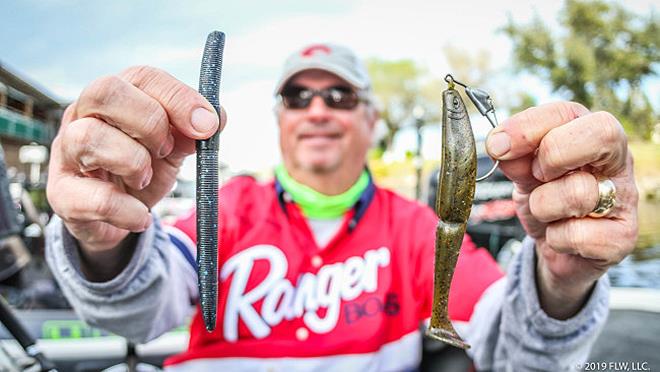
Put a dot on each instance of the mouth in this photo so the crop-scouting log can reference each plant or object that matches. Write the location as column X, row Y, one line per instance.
column 456, row 114
column 319, row 138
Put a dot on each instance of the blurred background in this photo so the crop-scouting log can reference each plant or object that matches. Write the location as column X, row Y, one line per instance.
column 603, row 54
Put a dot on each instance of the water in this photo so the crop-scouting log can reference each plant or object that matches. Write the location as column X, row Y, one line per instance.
column 642, row 267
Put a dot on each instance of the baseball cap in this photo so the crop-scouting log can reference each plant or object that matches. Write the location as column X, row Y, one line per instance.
column 335, row 59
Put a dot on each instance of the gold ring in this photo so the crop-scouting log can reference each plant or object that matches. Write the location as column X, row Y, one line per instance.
column 606, row 198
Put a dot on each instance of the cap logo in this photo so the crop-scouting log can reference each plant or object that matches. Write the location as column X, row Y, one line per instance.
column 318, row 48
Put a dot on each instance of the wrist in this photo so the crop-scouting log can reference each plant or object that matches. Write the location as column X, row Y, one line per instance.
column 101, row 265
column 560, row 297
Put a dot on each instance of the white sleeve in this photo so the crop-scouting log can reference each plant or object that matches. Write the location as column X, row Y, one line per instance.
column 509, row 331
column 156, row 292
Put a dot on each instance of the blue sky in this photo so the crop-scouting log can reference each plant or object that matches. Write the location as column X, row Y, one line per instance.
column 64, row 45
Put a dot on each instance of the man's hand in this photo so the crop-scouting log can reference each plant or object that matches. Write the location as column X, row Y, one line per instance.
column 117, row 153
column 554, row 154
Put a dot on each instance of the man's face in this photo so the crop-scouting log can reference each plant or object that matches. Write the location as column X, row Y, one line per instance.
column 320, row 139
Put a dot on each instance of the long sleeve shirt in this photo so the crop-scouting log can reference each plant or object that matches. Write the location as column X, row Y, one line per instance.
column 354, row 304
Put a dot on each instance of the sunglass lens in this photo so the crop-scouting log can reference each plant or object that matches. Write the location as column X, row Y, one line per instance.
column 341, row 98
column 295, row 97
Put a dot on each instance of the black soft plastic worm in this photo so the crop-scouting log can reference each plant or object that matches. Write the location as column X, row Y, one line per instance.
column 207, row 185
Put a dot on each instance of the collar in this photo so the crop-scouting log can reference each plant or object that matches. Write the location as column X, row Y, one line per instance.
column 359, row 208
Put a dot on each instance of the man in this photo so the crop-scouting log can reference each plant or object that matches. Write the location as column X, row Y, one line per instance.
column 322, row 269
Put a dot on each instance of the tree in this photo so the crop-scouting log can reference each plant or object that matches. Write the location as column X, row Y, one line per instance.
column 600, row 58
column 474, row 69
column 396, row 85
column 401, row 85
column 471, row 68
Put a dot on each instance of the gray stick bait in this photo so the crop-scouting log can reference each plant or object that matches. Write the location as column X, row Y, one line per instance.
column 207, row 185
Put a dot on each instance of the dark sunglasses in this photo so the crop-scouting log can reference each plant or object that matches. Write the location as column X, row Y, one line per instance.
column 338, row 97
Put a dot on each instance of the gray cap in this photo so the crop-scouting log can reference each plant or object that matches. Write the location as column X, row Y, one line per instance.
column 335, row 59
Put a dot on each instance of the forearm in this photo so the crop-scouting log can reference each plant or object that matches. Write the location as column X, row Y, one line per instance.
column 509, row 328
column 152, row 293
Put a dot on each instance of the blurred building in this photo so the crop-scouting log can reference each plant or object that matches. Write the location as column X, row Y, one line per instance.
column 28, row 114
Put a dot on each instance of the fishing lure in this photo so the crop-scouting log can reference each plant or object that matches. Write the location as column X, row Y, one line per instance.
column 457, row 180
column 207, row 185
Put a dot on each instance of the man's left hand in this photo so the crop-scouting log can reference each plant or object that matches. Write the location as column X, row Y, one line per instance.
column 555, row 154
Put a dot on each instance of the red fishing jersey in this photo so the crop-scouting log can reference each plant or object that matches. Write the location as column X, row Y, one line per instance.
column 358, row 301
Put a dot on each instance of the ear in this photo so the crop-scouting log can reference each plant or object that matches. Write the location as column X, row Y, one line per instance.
column 373, row 115
column 277, row 110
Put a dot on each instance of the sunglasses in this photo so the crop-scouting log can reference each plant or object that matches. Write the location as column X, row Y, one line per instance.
column 337, row 97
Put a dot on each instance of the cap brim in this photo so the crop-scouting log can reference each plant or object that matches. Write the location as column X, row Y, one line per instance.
column 340, row 72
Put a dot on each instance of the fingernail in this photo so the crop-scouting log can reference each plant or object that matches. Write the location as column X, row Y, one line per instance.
column 167, row 147
column 146, row 225
column 147, row 179
column 499, row 144
column 537, row 172
column 204, row 121
column 149, row 220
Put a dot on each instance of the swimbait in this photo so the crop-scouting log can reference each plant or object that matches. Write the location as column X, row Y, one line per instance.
column 454, row 197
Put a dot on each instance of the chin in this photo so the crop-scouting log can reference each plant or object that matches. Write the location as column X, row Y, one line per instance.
column 317, row 159
column 319, row 165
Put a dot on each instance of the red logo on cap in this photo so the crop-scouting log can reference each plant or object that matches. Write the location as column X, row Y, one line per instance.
column 311, row 50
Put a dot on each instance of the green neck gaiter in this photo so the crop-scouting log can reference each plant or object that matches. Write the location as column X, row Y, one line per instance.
column 317, row 205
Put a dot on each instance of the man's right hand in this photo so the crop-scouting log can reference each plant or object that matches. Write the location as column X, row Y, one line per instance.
column 118, row 152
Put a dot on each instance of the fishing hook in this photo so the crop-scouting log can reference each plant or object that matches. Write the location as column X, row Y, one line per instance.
column 482, row 101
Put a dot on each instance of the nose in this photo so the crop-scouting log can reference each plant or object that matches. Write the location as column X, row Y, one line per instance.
column 317, row 110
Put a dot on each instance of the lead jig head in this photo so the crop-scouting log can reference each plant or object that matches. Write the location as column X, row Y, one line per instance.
column 482, row 101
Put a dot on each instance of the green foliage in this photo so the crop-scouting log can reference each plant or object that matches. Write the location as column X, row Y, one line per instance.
column 524, row 101
column 402, row 85
column 600, row 58
column 396, row 84
column 472, row 68
column 375, row 153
